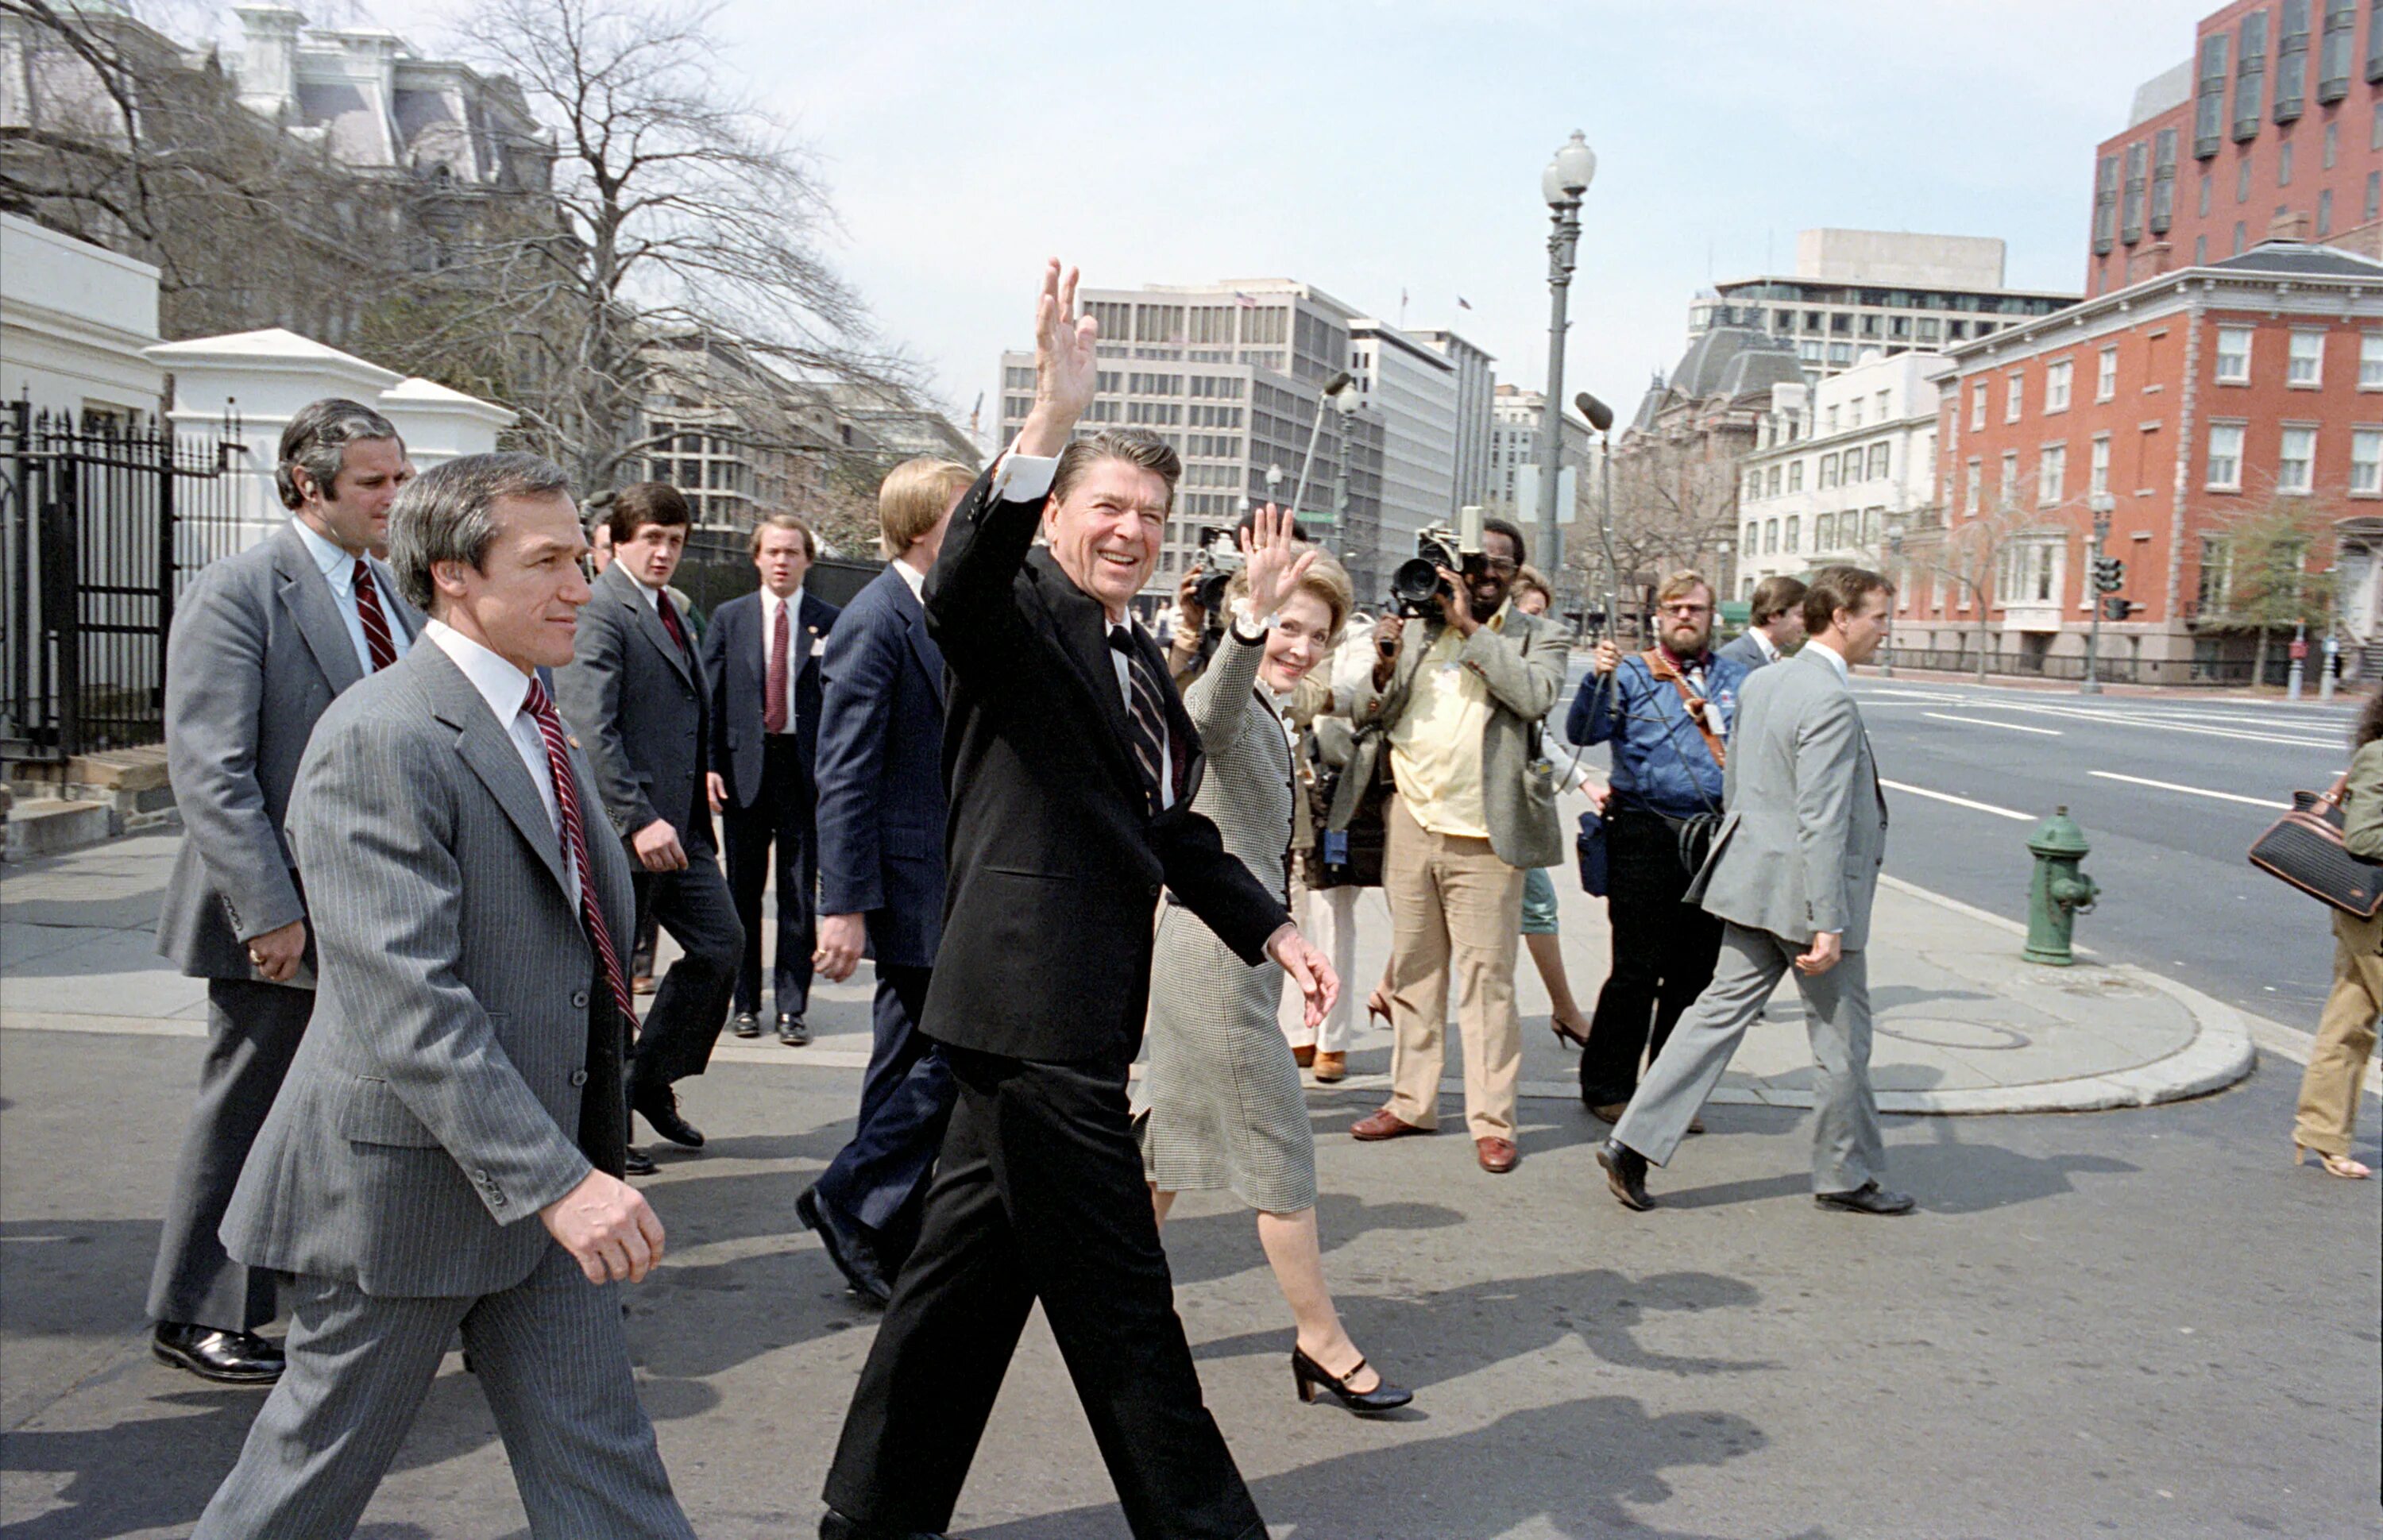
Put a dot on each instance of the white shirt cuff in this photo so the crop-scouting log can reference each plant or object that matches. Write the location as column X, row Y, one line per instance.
column 1024, row 477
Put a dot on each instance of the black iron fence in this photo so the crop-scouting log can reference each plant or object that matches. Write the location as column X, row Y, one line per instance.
column 2210, row 671
column 103, row 521
column 718, row 567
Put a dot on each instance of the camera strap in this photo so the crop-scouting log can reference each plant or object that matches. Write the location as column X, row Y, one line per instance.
column 1692, row 701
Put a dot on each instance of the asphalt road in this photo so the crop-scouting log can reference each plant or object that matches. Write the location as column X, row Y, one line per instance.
column 2170, row 791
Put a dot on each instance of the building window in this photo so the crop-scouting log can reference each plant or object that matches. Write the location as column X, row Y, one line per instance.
column 2296, row 463
column 2051, row 475
column 2325, row 212
column 1824, row 531
column 1794, row 525
column 2370, row 360
column 2200, row 249
column 2225, row 457
column 1978, row 406
column 1878, row 462
column 2243, row 179
column 2006, row 493
column 1828, row 473
column 2239, row 247
column 2333, row 143
column 2099, row 481
column 1753, row 537
column 2306, row 368
column 2374, row 195
column 1853, row 466
column 1854, row 409
column 2234, row 355
column 2055, row 386
column 1754, row 486
column 1969, row 490
column 2203, row 205
column 1771, row 481
column 1770, row 538
column 2284, row 164
column 2014, row 398
column 1795, row 475
column 2367, row 463
column 2105, row 377
column 2216, row 587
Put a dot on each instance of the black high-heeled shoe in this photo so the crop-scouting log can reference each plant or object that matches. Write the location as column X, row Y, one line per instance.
column 1308, row 1377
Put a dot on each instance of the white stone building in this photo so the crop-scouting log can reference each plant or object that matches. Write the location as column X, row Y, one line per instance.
column 1415, row 388
column 74, row 318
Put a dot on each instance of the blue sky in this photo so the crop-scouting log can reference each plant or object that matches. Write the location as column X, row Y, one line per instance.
column 1368, row 148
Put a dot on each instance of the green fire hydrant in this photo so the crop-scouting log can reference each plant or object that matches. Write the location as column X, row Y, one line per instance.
column 2059, row 892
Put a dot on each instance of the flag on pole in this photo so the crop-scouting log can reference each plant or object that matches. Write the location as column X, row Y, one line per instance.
column 1244, row 301
column 1464, row 303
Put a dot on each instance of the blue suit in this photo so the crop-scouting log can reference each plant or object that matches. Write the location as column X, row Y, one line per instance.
column 881, row 840
column 769, row 788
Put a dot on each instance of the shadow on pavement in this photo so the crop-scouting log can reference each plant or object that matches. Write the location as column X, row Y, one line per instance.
column 1580, row 1469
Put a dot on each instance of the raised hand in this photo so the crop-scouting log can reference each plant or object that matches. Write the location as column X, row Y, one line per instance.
column 1275, row 562
column 1066, row 364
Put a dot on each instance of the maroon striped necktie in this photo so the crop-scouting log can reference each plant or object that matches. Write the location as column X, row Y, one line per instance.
column 375, row 623
column 773, row 710
column 669, row 620
column 575, row 838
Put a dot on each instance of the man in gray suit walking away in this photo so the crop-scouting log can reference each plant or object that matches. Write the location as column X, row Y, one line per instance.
column 1776, row 622
column 1793, row 870
column 261, row 644
column 447, row 1151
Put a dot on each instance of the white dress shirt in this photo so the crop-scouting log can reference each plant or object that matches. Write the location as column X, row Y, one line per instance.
column 1830, row 656
column 914, row 579
column 1769, row 648
column 338, row 570
column 798, row 644
column 1023, row 478
column 505, row 688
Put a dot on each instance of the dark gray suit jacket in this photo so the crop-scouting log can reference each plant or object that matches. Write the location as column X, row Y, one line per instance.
column 1743, row 648
column 257, row 651
column 435, row 1104
column 638, row 704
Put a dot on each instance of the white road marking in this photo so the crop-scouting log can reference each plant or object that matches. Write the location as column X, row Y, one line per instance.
column 1957, row 801
column 1989, row 721
column 2196, row 791
column 2074, row 714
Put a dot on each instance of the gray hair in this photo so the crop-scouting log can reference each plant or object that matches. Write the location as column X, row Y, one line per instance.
column 317, row 442
column 444, row 514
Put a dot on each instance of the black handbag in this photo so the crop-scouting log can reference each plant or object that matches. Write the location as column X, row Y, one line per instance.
column 2304, row 848
column 1350, row 856
column 1590, row 848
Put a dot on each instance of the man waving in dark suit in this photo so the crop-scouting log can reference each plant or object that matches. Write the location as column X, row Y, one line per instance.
column 761, row 664
column 1071, row 768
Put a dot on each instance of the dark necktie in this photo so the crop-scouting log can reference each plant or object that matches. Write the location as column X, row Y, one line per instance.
column 575, row 840
column 773, row 710
column 670, row 621
column 375, row 623
column 1146, row 716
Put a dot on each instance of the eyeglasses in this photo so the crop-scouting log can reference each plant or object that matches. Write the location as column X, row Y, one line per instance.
column 1499, row 566
column 1689, row 610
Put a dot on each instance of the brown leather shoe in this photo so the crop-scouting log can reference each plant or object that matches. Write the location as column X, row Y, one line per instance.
column 1382, row 1125
column 1608, row 1112
column 1498, row 1156
column 1331, row 1067
column 1303, row 1054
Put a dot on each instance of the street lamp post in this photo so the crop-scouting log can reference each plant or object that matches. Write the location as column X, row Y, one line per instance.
column 1336, row 394
column 1567, row 178
column 2102, row 503
column 1893, row 558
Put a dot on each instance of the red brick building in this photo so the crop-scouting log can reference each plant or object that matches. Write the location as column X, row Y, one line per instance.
column 2274, row 127
column 2190, row 401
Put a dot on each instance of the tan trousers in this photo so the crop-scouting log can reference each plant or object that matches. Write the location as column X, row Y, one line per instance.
column 2345, row 1036
column 1454, row 913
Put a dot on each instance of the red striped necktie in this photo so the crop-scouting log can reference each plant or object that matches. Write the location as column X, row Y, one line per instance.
column 574, row 839
column 376, row 622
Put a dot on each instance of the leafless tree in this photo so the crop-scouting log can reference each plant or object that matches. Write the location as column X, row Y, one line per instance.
column 677, row 208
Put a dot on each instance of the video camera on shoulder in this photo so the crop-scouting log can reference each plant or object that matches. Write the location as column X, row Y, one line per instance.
column 1220, row 558
column 1416, row 586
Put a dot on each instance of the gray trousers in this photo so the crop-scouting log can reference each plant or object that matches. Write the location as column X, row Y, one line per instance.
column 552, row 1360
column 1846, row 1149
column 252, row 1032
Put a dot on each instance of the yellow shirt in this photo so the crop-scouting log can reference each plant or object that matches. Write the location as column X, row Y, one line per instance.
column 1436, row 746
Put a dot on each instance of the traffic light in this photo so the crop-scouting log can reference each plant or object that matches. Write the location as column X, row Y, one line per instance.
column 2109, row 574
column 2115, row 608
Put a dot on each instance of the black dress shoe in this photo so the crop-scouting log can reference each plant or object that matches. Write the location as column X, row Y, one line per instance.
column 835, row 1526
column 747, row 1025
column 660, row 1108
column 1625, row 1172
column 1869, row 1198
column 1308, row 1378
column 792, row 1032
column 638, row 1163
column 228, row 1358
column 851, row 1253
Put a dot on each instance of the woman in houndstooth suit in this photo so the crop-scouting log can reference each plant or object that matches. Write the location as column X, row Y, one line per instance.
column 1223, row 1104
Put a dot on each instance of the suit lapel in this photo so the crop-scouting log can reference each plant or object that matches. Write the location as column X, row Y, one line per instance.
column 308, row 594
column 646, row 617
column 488, row 749
column 1078, row 627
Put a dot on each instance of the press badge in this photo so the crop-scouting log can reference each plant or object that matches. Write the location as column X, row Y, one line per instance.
column 1336, row 848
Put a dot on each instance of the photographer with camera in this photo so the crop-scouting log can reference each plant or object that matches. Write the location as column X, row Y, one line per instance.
column 1460, row 704
column 1667, row 712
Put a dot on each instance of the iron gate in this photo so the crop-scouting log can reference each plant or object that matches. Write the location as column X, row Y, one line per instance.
column 103, row 520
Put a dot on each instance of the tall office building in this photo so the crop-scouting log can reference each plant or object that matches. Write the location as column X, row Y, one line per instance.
column 1476, row 385
column 1415, row 388
column 1232, row 374
column 1854, row 291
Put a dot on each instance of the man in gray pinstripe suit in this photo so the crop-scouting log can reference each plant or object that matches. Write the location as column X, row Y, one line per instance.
column 446, row 1151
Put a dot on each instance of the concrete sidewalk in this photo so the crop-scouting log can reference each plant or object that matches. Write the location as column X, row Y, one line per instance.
column 1964, row 1025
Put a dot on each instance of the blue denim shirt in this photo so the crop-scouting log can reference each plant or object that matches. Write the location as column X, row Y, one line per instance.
column 1659, row 758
